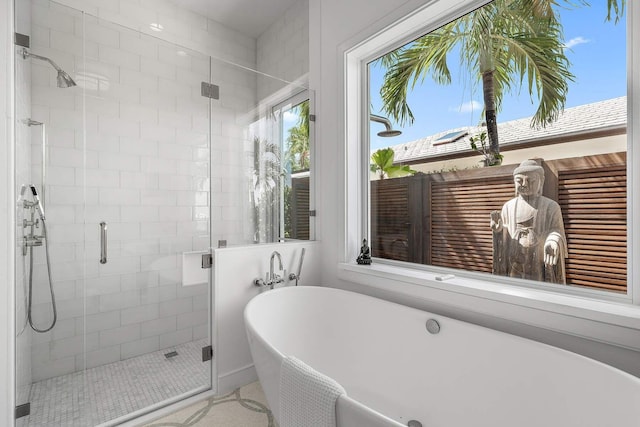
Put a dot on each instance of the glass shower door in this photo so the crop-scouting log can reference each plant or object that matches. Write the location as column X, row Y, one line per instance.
column 146, row 178
column 125, row 188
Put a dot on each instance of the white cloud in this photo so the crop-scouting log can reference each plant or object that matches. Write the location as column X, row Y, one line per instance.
column 467, row 107
column 575, row 42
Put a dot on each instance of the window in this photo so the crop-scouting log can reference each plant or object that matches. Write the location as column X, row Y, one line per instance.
column 437, row 217
column 292, row 118
column 281, row 190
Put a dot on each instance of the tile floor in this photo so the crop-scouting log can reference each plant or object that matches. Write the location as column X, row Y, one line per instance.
column 244, row 407
column 107, row 392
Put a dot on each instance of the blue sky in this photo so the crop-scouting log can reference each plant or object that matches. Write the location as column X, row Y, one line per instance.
column 596, row 50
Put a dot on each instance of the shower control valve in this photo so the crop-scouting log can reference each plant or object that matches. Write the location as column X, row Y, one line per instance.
column 30, row 241
column 33, row 240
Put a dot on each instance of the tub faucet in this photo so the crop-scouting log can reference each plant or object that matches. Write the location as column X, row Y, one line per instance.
column 273, row 277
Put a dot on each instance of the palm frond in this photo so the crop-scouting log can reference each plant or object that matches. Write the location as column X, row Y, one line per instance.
column 426, row 56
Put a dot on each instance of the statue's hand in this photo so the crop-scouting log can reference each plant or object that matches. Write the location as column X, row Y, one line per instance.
column 496, row 221
column 551, row 252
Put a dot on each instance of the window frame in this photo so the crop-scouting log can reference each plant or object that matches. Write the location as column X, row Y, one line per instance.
column 536, row 304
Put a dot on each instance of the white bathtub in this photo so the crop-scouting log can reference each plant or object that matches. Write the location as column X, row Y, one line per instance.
column 392, row 368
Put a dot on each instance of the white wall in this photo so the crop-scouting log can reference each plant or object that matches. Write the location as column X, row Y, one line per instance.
column 335, row 27
column 283, row 49
column 181, row 26
column 234, row 271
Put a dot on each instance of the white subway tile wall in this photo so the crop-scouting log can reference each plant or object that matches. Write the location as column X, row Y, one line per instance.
column 283, row 49
column 130, row 146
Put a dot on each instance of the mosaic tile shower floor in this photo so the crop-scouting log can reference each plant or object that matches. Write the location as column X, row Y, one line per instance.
column 110, row 391
column 244, row 407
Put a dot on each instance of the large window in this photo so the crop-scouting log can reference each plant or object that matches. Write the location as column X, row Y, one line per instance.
column 512, row 157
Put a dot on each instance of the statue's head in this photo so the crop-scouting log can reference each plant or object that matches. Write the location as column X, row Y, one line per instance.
column 529, row 178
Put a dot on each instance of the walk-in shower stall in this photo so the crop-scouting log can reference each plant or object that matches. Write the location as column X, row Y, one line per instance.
column 133, row 157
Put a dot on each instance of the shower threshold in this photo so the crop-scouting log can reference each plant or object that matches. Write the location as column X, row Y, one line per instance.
column 109, row 392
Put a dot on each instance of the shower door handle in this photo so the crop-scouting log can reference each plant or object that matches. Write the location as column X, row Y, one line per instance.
column 103, row 242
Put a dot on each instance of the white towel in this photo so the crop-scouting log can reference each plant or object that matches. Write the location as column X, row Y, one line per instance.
column 307, row 397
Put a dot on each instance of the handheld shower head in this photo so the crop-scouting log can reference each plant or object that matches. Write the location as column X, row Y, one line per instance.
column 38, row 203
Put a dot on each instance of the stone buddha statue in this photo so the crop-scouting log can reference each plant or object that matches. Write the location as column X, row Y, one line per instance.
column 528, row 233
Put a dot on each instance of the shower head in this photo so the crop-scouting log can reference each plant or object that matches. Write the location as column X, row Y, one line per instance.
column 388, row 132
column 64, row 79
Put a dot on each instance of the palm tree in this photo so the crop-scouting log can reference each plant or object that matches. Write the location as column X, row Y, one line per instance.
column 504, row 44
column 298, row 152
column 382, row 164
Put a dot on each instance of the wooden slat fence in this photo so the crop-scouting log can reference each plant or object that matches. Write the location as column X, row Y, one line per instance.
column 443, row 219
column 300, row 208
column 390, row 209
column 594, row 208
column 460, row 211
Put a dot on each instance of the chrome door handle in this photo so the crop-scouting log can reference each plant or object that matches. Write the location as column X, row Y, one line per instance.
column 103, row 242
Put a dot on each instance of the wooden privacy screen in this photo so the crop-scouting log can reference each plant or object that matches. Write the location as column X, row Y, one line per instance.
column 461, row 236
column 443, row 219
column 300, row 208
column 390, row 218
column 593, row 199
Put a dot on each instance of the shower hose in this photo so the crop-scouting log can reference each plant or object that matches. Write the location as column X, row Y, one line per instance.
column 53, row 297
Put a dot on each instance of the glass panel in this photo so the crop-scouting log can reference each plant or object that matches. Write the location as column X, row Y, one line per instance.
column 248, row 158
column 147, row 177
column 468, row 96
column 128, row 147
column 47, row 266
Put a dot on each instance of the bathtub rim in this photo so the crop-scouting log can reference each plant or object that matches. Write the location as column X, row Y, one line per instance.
column 349, row 402
column 329, row 289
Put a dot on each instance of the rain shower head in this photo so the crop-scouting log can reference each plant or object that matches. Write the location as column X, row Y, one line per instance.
column 64, row 79
column 388, row 132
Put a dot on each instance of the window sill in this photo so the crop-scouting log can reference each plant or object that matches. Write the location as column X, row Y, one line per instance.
column 613, row 323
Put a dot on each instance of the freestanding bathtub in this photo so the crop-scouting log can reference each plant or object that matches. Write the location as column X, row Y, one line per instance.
column 394, row 370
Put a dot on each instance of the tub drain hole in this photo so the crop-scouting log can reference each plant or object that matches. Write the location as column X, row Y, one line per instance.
column 414, row 423
column 170, row 354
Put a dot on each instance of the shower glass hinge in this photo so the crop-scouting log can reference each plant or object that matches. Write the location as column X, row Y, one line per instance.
column 209, row 90
column 207, row 353
column 23, row 410
column 312, row 117
column 312, row 212
column 22, row 40
column 207, row 260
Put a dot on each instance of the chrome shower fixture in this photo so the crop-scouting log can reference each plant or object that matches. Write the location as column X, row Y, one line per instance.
column 64, row 79
column 388, row 132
